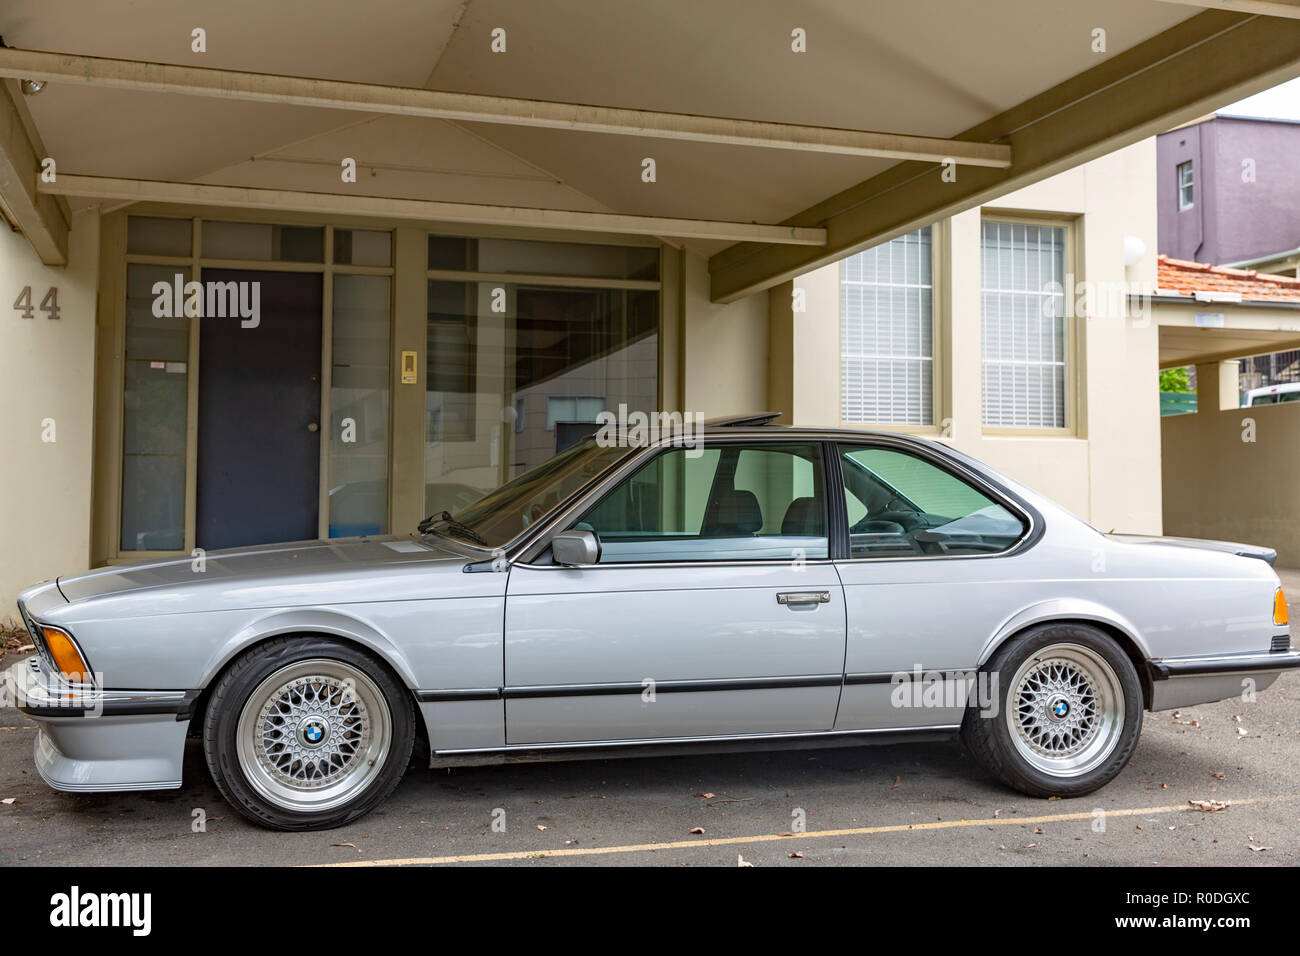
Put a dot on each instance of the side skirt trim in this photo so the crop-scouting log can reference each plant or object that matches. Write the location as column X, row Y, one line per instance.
column 524, row 692
column 593, row 749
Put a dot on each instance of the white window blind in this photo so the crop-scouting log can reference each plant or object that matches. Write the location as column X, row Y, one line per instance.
column 886, row 333
column 1024, row 327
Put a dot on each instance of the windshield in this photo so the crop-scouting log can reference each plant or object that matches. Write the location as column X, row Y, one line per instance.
column 502, row 515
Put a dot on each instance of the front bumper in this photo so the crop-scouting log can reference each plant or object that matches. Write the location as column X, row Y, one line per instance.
column 1182, row 682
column 90, row 739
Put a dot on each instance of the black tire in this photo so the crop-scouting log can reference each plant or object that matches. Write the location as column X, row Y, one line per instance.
column 1002, row 750
column 249, row 674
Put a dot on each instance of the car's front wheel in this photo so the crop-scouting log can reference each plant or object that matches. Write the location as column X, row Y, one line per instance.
column 307, row 733
column 1067, row 714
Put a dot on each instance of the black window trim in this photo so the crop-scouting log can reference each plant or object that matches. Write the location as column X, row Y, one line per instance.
column 536, row 553
column 999, row 494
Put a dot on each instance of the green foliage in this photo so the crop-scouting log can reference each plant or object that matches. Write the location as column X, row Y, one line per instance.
column 1175, row 380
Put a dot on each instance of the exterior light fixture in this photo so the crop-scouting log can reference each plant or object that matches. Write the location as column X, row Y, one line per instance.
column 1134, row 250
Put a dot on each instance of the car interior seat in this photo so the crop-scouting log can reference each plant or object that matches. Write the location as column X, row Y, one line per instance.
column 735, row 514
column 804, row 518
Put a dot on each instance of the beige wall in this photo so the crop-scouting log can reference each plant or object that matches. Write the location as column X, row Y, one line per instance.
column 1106, row 468
column 47, row 368
column 724, row 361
column 1229, row 472
column 1219, row 484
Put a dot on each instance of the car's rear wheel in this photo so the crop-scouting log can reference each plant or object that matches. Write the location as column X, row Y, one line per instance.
column 309, row 733
column 1068, row 714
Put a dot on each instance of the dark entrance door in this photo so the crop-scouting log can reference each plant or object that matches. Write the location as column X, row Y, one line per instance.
column 259, row 415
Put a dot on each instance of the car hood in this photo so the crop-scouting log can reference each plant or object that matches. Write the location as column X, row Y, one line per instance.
column 1228, row 547
column 282, row 568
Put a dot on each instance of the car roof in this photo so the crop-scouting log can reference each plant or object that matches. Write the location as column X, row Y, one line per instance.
column 785, row 432
column 667, row 427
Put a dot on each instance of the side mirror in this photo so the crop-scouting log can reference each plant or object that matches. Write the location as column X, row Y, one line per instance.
column 576, row 547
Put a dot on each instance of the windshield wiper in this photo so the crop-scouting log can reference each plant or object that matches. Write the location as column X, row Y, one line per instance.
column 454, row 526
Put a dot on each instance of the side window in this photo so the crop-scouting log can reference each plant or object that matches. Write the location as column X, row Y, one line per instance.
column 730, row 503
column 901, row 505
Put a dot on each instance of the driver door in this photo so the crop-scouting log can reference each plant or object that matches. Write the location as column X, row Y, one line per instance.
column 713, row 610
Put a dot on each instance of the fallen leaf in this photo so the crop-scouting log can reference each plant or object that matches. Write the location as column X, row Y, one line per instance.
column 894, row 785
column 1001, row 846
column 1258, row 849
column 706, row 796
column 697, row 829
column 1210, row 806
column 796, row 855
column 540, row 827
column 1038, row 829
column 1217, row 774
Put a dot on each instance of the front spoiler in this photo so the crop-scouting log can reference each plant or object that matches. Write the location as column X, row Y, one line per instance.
column 90, row 740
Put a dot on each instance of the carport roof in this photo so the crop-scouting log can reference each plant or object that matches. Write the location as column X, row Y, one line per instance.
column 1051, row 82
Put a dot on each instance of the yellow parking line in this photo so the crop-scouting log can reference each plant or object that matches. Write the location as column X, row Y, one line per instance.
column 771, row 837
column 20, row 727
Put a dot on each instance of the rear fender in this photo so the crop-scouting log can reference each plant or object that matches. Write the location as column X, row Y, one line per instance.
column 1062, row 609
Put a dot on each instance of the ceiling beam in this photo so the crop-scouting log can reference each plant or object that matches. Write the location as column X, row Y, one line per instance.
column 1266, row 8
column 476, row 108
column 285, row 200
column 1206, row 61
column 37, row 217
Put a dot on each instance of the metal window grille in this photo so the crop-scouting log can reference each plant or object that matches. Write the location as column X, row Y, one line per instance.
column 1024, row 324
column 886, row 333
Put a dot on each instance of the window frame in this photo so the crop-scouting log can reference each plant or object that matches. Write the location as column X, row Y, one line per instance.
column 938, row 355
column 115, row 261
column 1190, row 166
column 1072, row 334
column 996, row 493
column 531, row 550
column 535, row 549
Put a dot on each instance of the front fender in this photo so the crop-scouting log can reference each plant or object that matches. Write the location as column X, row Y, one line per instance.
column 1062, row 609
column 309, row 620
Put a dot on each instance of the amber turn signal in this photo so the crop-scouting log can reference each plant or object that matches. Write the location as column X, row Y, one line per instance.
column 67, row 658
column 1279, row 608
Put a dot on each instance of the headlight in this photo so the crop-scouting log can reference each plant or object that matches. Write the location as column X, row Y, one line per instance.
column 66, row 655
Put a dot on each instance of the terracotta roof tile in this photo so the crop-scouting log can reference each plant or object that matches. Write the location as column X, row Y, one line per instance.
column 1183, row 278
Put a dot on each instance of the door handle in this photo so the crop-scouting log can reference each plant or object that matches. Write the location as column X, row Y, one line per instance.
column 803, row 597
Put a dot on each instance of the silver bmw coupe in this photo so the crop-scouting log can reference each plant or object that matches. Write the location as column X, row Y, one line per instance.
column 752, row 586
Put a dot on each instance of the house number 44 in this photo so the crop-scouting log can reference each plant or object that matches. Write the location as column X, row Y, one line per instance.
column 49, row 305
